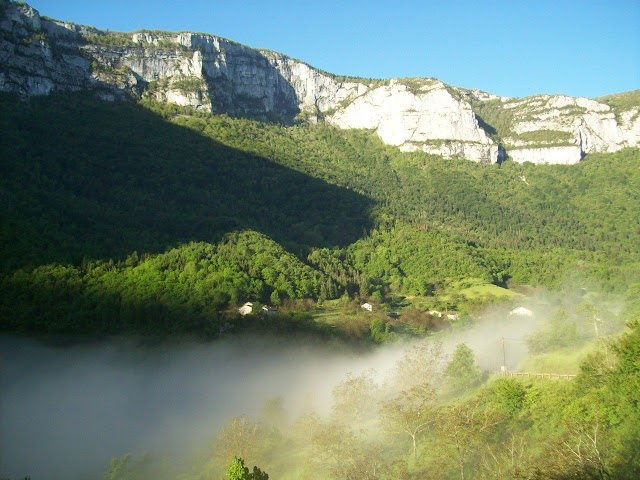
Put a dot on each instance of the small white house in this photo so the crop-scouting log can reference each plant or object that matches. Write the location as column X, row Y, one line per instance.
column 521, row 312
column 246, row 309
column 435, row 313
column 453, row 316
column 367, row 306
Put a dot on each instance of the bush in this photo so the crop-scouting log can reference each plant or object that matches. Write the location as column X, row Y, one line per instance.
column 559, row 332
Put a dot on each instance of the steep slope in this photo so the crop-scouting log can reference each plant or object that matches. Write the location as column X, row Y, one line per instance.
column 213, row 74
column 123, row 216
column 420, row 115
column 85, row 179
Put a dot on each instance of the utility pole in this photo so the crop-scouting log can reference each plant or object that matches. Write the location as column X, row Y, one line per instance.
column 504, row 358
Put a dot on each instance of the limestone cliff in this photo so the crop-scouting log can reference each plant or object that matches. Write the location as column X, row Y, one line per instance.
column 206, row 72
column 420, row 114
column 561, row 129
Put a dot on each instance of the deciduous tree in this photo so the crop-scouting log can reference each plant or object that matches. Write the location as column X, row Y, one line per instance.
column 410, row 413
column 243, row 437
column 463, row 371
column 462, row 428
column 355, row 397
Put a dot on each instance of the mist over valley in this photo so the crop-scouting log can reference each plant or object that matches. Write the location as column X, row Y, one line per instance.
column 70, row 406
column 221, row 262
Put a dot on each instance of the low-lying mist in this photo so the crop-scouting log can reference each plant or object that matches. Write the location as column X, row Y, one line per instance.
column 66, row 410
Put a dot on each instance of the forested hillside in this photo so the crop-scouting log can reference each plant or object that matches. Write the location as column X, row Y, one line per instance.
column 187, row 294
column 145, row 217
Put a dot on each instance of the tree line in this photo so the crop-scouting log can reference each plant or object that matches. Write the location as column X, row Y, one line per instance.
column 119, row 212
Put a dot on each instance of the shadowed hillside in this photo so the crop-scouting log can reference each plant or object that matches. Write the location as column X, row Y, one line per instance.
column 85, row 179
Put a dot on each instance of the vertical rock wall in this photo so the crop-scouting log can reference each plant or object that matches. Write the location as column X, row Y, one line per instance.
column 205, row 72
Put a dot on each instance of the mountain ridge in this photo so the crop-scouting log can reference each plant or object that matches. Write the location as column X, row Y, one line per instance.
column 207, row 72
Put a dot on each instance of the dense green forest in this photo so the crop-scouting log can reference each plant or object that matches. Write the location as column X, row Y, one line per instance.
column 144, row 227
column 149, row 218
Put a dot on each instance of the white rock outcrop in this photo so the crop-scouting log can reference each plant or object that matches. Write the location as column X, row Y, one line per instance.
column 428, row 118
column 551, row 155
column 205, row 72
column 588, row 126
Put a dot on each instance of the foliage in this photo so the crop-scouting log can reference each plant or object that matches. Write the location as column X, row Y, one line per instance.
column 421, row 365
column 110, row 38
column 621, row 102
column 187, row 84
column 543, row 137
column 622, row 395
column 105, row 205
column 558, row 332
column 463, row 429
column 416, row 85
column 462, row 370
column 494, row 118
column 153, row 219
column 632, row 303
column 508, row 395
column 244, row 437
column 380, row 331
column 126, row 467
column 336, row 450
column 187, row 288
column 416, row 380
column 355, row 398
column 410, row 413
column 509, row 428
column 237, row 471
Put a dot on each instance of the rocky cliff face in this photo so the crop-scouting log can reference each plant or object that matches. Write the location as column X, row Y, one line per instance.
column 422, row 115
column 39, row 56
column 561, row 129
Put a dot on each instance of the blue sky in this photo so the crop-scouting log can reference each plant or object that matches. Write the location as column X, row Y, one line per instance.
column 513, row 48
